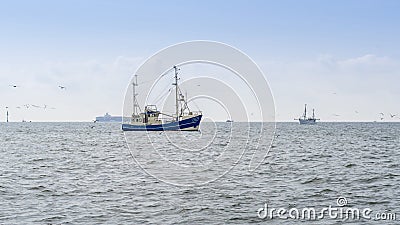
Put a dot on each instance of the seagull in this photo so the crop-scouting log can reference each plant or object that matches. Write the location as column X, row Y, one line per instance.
column 382, row 114
column 335, row 114
column 381, row 118
column 62, row 87
column 14, row 86
column 36, row 106
column 356, row 111
column 26, row 106
column 391, row 115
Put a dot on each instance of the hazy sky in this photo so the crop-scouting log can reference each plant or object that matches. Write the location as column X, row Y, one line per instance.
column 340, row 57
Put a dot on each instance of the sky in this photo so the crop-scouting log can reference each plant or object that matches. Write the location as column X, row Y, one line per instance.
column 340, row 57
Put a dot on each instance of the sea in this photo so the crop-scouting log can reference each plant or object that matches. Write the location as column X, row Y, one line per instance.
column 228, row 173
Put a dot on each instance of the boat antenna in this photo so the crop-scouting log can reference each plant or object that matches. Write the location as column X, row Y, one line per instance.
column 135, row 105
column 305, row 111
column 176, row 93
column 313, row 114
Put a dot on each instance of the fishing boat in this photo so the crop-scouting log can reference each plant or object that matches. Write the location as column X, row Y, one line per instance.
column 149, row 120
column 307, row 120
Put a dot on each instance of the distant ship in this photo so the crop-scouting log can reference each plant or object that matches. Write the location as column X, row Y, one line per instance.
column 149, row 120
column 229, row 121
column 108, row 118
column 309, row 120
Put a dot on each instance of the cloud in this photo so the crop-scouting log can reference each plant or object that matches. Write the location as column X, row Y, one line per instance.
column 369, row 65
column 367, row 60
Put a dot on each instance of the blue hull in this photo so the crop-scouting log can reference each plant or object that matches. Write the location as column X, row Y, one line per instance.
column 181, row 125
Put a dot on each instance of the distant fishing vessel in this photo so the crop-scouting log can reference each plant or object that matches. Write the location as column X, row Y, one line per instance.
column 149, row 120
column 108, row 118
column 309, row 120
column 229, row 121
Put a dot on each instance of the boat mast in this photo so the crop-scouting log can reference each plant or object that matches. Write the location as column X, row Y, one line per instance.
column 305, row 111
column 135, row 105
column 176, row 93
column 313, row 115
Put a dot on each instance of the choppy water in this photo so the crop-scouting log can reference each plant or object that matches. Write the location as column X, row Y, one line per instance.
column 62, row 173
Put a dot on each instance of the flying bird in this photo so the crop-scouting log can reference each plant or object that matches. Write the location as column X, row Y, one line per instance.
column 335, row 114
column 382, row 114
column 14, row 86
column 62, row 87
column 36, row 106
column 391, row 115
column 356, row 111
